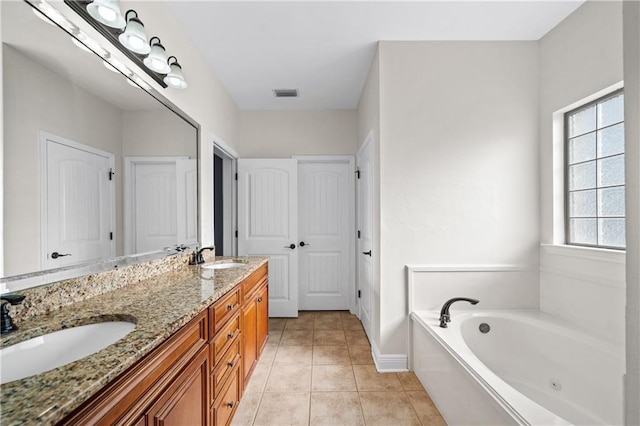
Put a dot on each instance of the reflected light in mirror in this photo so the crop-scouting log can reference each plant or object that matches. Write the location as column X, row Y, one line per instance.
column 79, row 45
column 41, row 16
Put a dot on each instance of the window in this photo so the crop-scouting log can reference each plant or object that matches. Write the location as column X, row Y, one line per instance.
column 595, row 173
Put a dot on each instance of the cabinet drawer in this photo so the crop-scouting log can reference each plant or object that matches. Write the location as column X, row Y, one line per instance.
column 224, row 339
column 225, row 308
column 225, row 366
column 226, row 404
column 251, row 283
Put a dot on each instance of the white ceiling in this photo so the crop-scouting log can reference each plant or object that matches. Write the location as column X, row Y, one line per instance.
column 325, row 48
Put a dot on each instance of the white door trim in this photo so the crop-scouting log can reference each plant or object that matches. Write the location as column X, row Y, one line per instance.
column 129, row 214
column 369, row 142
column 44, row 202
column 229, row 196
column 351, row 160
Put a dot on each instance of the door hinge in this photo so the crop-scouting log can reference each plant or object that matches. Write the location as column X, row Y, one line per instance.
column 358, row 234
column 111, row 236
column 236, row 233
column 358, row 173
column 111, row 174
column 359, row 294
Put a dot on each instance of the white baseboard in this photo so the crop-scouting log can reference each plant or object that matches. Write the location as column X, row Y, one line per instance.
column 393, row 363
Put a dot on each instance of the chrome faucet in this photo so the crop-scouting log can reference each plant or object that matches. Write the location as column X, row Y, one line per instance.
column 6, row 322
column 197, row 258
column 445, row 317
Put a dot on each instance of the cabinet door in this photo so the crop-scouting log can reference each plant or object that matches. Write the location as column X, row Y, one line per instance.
column 249, row 338
column 262, row 302
column 185, row 402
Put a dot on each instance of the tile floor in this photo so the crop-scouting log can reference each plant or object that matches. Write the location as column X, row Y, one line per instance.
column 317, row 369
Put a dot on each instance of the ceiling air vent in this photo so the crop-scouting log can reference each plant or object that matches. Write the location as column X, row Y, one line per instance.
column 286, row 93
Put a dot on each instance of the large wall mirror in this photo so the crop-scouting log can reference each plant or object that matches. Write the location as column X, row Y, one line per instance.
column 94, row 167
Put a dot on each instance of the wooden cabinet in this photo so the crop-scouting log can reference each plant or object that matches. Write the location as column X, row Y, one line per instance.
column 197, row 376
column 255, row 320
column 125, row 400
column 182, row 402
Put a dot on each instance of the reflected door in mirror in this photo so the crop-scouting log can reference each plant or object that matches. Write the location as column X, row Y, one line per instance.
column 162, row 193
column 79, row 202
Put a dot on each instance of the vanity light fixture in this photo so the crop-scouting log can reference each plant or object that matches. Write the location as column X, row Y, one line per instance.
column 107, row 12
column 134, row 36
column 131, row 39
column 175, row 78
column 157, row 60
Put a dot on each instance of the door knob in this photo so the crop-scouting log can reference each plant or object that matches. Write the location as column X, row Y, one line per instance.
column 56, row 255
column 302, row 244
column 367, row 253
column 290, row 246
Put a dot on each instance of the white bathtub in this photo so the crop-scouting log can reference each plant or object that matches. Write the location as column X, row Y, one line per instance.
column 528, row 369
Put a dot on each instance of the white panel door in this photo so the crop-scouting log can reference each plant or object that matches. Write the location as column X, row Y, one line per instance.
column 187, row 201
column 268, row 224
column 155, row 207
column 365, row 242
column 324, row 206
column 80, row 207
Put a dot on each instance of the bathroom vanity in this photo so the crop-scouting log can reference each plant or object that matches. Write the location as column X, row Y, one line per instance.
column 199, row 334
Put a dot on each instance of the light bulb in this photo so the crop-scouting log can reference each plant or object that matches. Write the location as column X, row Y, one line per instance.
column 107, row 14
column 136, row 42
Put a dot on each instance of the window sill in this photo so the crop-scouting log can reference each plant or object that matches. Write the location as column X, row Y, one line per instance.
column 591, row 253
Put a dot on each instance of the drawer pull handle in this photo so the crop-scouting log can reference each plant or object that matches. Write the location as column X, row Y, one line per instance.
column 231, row 404
column 230, row 364
column 259, row 299
column 230, row 335
column 230, row 307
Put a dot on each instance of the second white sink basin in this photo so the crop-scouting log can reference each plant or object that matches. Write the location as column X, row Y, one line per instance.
column 53, row 350
column 225, row 265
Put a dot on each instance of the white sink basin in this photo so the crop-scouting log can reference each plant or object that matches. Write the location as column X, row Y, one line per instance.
column 225, row 265
column 53, row 350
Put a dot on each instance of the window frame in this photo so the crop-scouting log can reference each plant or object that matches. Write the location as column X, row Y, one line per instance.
column 566, row 166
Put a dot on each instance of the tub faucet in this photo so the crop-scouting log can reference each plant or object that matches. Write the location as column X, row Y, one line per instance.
column 197, row 258
column 444, row 312
column 6, row 322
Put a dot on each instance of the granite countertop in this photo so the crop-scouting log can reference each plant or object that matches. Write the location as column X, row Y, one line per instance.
column 159, row 307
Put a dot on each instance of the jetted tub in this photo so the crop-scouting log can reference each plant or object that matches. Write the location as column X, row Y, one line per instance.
column 528, row 368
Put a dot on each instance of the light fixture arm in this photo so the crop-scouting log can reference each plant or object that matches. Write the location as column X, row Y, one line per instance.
column 126, row 15
column 151, row 43
column 175, row 62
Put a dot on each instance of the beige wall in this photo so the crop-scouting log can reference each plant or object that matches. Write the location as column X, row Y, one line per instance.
column 280, row 134
column 579, row 59
column 458, row 136
column 157, row 133
column 631, row 13
column 40, row 100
